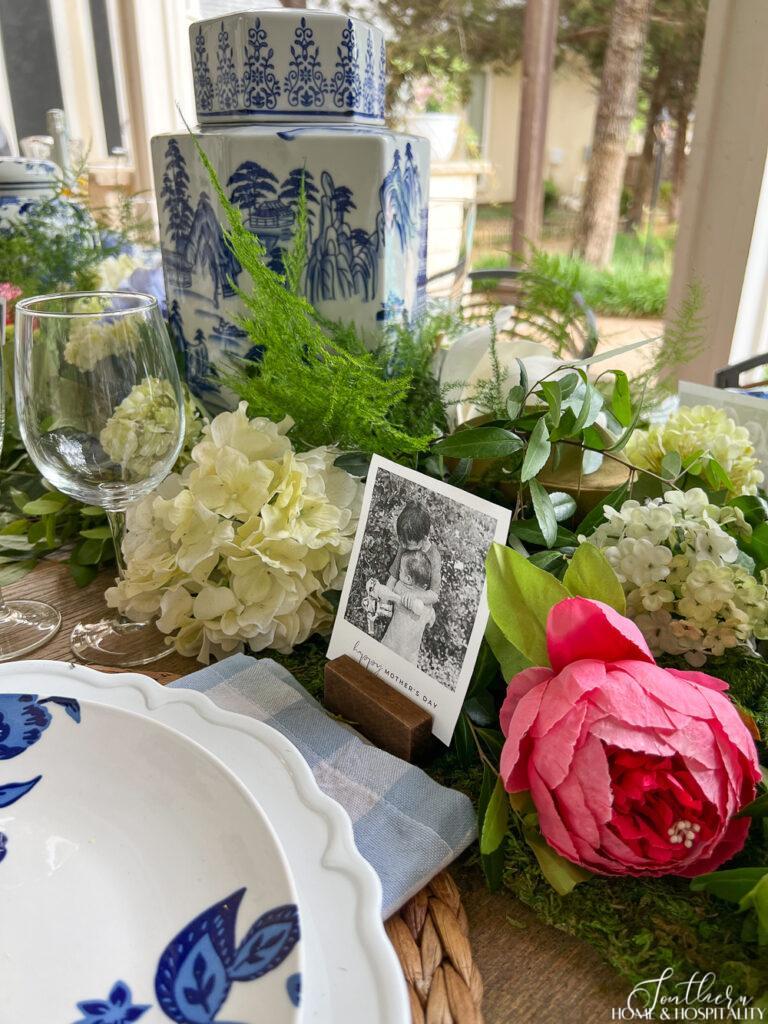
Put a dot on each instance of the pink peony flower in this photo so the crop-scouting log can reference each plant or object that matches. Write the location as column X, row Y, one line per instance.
column 634, row 769
column 9, row 292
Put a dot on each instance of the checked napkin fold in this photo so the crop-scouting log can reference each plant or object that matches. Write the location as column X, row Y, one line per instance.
column 405, row 825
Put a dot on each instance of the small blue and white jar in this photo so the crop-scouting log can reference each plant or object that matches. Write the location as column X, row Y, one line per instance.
column 284, row 95
column 23, row 183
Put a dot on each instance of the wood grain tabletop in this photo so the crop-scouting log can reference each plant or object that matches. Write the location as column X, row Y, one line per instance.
column 532, row 973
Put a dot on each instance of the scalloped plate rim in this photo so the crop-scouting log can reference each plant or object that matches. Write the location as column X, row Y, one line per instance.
column 340, row 854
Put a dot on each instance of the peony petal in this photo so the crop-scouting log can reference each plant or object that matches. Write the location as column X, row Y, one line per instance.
column 576, row 812
column 579, row 629
column 518, row 687
column 700, row 678
column 671, row 690
column 624, row 699
column 590, row 768
column 550, row 822
column 624, row 855
column 565, row 690
column 729, row 844
column 628, row 738
column 513, row 765
column 552, row 755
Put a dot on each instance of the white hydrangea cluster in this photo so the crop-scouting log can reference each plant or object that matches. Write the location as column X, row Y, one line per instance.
column 92, row 339
column 142, row 429
column 700, row 429
column 680, row 570
column 240, row 548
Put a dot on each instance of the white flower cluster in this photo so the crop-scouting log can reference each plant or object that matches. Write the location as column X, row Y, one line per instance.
column 240, row 548
column 142, row 430
column 692, row 431
column 92, row 339
column 680, row 571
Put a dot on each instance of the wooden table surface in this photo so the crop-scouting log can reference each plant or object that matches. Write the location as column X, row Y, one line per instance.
column 531, row 972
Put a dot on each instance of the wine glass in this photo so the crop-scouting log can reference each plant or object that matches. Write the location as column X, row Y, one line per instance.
column 24, row 625
column 101, row 413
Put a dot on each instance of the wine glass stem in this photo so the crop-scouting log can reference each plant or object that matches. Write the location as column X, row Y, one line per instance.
column 117, row 526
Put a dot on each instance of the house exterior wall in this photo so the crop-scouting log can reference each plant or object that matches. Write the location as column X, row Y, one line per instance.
column 572, row 105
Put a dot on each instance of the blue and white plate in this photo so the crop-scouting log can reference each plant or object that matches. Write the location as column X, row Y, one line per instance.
column 139, row 879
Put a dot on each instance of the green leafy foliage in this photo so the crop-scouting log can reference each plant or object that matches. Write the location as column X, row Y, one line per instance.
column 334, row 391
column 519, row 598
column 589, row 574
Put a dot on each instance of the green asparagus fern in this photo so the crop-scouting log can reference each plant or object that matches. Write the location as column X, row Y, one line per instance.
column 333, row 394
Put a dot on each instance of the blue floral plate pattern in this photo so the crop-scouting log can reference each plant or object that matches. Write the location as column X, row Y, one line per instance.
column 137, row 855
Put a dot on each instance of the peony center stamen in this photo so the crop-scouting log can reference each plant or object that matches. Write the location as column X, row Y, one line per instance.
column 683, row 831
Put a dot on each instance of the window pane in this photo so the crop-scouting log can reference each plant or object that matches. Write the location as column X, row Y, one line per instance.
column 30, row 61
column 106, row 73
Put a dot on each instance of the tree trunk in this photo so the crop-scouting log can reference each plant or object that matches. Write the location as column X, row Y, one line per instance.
column 678, row 157
column 645, row 171
column 540, row 35
column 616, row 107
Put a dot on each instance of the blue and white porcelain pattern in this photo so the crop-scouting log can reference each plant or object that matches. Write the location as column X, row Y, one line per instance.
column 24, row 182
column 277, row 64
column 121, row 856
column 366, row 190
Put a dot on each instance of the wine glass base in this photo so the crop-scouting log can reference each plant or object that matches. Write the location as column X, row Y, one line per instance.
column 118, row 644
column 25, row 626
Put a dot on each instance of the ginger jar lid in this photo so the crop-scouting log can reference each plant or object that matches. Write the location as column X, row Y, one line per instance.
column 288, row 65
column 20, row 174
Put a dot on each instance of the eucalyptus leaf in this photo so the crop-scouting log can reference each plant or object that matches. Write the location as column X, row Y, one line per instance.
column 537, row 451
column 355, row 463
column 553, row 396
column 590, row 574
column 621, row 402
column 515, row 400
column 479, row 443
column 591, row 461
column 563, row 504
column 520, row 597
column 545, row 512
column 671, row 465
column 523, row 375
column 495, row 821
column 754, row 507
column 596, row 516
column 461, row 473
column 550, row 561
column 590, row 409
column 716, row 476
column 528, row 530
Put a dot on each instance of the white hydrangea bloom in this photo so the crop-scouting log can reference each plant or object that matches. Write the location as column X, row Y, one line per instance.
column 677, row 559
column 141, row 433
column 93, row 339
column 238, row 551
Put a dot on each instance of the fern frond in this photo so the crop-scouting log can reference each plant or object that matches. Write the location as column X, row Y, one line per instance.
column 334, row 395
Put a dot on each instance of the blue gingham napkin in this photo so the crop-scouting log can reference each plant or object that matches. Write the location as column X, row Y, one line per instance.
column 405, row 825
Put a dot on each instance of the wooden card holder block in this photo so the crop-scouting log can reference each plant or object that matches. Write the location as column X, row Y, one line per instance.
column 381, row 714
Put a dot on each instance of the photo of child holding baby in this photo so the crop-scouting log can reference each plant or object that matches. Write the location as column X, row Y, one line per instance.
column 419, row 574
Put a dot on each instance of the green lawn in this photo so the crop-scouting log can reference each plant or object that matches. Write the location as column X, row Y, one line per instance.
column 626, row 288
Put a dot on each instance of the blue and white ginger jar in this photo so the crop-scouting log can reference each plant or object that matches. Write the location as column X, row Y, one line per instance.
column 283, row 94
